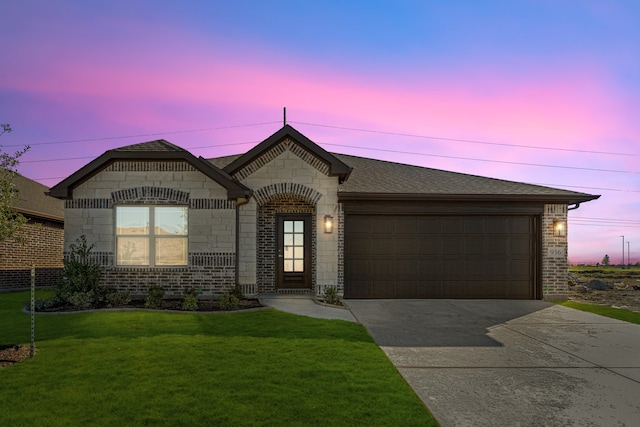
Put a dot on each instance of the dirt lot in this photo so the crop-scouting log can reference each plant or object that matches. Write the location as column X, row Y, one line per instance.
column 624, row 292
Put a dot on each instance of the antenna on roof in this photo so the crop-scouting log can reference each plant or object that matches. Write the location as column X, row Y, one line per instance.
column 284, row 119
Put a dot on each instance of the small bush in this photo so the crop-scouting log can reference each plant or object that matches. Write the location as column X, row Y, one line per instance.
column 113, row 298
column 155, row 297
column 331, row 295
column 82, row 300
column 237, row 292
column 190, row 300
column 48, row 303
column 229, row 302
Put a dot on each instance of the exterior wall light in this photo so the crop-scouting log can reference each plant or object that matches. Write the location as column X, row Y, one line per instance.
column 559, row 228
column 328, row 224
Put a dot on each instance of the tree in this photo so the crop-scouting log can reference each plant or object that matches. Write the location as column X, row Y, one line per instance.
column 10, row 219
column 605, row 260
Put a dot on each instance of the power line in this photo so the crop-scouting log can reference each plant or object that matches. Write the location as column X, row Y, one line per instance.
column 471, row 141
column 487, row 160
column 71, row 141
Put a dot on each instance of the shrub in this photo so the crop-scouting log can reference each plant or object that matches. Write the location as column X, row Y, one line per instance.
column 155, row 297
column 190, row 300
column 48, row 303
column 237, row 292
column 331, row 295
column 80, row 275
column 229, row 302
column 82, row 300
column 113, row 298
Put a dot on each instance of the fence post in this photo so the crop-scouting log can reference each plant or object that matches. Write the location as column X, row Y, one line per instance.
column 32, row 348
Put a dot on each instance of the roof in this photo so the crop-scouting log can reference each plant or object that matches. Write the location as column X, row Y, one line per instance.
column 336, row 167
column 403, row 181
column 34, row 202
column 152, row 151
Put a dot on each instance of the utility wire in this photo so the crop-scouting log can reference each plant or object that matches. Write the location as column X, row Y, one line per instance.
column 143, row 135
column 471, row 141
column 487, row 160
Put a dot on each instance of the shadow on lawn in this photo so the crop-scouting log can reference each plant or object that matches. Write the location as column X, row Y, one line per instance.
column 267, row 323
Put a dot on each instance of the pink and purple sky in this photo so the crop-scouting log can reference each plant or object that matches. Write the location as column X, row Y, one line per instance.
column 536, row 91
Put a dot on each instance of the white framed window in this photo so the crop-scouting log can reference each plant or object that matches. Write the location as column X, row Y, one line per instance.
column 152, row 236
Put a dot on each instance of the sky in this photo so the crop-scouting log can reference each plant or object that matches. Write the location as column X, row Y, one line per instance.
column 541, row 91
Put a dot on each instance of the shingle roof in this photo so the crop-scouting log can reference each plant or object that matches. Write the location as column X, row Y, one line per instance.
column 380, row 179
column 157, row 145
column 32, row 200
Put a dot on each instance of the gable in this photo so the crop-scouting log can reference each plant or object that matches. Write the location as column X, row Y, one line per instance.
column 146, row 156
column 287, row 139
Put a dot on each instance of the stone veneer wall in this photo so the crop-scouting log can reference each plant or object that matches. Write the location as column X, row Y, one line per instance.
column 211, row 258
column 43, row 246
column 266, row 244
column 554, row 255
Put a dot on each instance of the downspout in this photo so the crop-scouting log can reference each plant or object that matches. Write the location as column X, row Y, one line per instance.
column 576, row 206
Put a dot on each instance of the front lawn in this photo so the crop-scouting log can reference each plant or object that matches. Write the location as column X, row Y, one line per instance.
column 157, row 368
column 614, row 313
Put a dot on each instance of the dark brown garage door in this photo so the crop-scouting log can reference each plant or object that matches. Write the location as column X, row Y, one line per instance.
column 440, row 256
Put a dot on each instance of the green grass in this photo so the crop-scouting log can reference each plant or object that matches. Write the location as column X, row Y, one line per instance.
column 156, row 368
column 614, row 313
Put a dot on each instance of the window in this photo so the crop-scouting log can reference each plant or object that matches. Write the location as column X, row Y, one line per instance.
column 154, row 236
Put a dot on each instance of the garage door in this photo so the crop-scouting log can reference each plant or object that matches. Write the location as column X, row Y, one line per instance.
column 440, row 256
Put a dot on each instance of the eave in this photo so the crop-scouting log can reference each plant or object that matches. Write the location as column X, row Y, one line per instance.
column 504, row 198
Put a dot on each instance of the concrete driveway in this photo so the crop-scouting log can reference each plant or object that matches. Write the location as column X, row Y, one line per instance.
column 510, row 363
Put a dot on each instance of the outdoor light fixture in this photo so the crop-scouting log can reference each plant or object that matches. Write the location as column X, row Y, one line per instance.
column 559, row 228
column 328, row 224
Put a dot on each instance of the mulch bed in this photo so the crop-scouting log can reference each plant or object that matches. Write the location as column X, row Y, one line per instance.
column 204, row 306
column 10, row 354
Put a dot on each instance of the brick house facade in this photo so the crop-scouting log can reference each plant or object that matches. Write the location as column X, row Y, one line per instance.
column 39, row 242
column 288, row 216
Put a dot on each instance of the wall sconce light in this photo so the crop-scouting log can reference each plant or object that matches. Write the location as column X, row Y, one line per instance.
column 328, row 224
column 559, row 228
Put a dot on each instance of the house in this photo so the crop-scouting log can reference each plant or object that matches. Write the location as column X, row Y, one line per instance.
column 288, row 216
column 40, row 241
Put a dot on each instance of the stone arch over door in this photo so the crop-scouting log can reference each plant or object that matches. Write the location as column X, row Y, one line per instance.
column 273, row 200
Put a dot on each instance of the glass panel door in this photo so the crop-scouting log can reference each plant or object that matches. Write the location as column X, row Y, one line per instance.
column 294, row 243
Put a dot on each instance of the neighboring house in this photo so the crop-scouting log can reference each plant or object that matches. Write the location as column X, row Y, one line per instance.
column 288, row 216
column 40, row 241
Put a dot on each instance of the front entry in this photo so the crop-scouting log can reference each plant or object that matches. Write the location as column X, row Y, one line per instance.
column 293, row 269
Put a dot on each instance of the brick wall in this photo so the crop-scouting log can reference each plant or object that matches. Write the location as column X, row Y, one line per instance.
column 554, row 255
column 42, row 246
column 266, row 241
column 211, row 265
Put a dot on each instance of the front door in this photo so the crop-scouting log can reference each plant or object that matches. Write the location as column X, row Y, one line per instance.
column 294, row 251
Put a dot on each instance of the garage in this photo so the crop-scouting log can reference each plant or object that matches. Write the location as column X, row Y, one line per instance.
column 441, row 256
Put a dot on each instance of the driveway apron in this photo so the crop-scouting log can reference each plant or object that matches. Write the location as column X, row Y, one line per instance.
column 510, row 363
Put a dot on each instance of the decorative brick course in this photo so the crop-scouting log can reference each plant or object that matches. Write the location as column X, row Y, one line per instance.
column 278, row 149
column 150, row 195
column 286, row 190
column 150, row 166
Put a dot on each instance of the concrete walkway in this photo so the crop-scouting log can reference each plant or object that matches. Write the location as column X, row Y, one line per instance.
column 510, row 363
column 305, row 305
